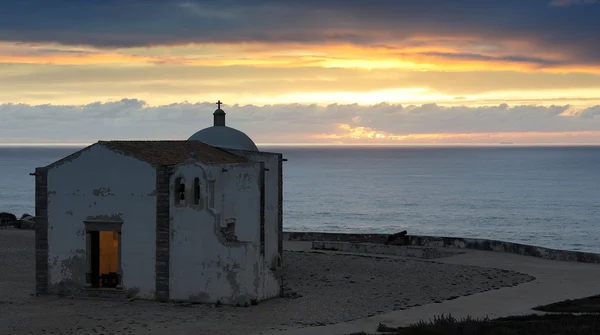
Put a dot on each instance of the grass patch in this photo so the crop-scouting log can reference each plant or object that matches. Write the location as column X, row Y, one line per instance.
column 584, row 305
column 552, row 324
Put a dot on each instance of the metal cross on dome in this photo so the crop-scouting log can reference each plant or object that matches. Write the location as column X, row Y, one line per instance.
column 219, row 103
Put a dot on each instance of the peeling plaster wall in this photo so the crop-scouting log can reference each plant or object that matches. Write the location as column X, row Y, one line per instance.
column 100, row 184
column 204, row 266
column 271, row 161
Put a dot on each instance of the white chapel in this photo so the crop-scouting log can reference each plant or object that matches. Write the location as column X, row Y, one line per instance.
column 196, row 220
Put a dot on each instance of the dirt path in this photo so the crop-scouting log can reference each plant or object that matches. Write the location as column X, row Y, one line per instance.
column 331, row 289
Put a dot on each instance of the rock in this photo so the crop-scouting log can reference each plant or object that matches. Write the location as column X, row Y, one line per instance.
column 26, row 224
column 26, row 216
column 397, row 238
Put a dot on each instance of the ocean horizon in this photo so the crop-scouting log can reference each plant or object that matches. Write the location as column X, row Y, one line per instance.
column 544, row 195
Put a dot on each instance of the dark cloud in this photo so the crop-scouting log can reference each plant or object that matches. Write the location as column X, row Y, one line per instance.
column 566, row 3
column 134, row 119
column 551, row 25
column 473, row 56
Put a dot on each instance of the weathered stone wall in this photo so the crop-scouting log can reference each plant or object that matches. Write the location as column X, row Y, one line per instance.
column 451, row 242
column 262, row 211
column 162, row 233
column 273, row 206
column 280, row 209
column 41, row 231
column 99, row 185
column 215, row 247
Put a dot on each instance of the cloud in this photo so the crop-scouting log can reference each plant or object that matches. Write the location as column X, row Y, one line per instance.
column 159, row 85
column 591, row 112
column 445, row 55
column 481, row 57
column 558, row 34
column 296, row 123
column 567, row 3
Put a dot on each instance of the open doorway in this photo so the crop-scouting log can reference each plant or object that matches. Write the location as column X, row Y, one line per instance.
column 103, row 259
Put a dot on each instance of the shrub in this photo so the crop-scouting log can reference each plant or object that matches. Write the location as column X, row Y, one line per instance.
column 557, row 324
column 8, row 216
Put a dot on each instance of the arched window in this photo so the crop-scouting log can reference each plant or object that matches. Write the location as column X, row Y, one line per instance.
column 196, row 191
column 179, row 193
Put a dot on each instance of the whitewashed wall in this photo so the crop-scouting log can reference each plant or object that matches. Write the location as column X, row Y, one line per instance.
column 271, row 161
column 94, row 185
column 203, row 266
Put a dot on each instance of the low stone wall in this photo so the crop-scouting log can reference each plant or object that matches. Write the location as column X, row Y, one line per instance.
column 451, row 242
column 382, row 249
column 337, row 237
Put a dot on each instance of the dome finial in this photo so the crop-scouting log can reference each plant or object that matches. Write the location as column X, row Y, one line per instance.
column 219, row 115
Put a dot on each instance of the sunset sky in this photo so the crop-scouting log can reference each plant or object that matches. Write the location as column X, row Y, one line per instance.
column 327, row 71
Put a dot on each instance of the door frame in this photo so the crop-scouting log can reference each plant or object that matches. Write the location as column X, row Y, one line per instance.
column 98, row 226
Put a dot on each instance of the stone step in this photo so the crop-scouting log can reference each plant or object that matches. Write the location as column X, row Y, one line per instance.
column 105, row 293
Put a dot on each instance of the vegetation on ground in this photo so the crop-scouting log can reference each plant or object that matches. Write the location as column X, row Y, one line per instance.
column 548, row 324
column 584, row 305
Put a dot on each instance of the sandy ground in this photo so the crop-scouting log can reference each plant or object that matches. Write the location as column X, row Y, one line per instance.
column 330, row 289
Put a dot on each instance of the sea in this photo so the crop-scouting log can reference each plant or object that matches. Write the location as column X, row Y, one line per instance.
column 540, row 195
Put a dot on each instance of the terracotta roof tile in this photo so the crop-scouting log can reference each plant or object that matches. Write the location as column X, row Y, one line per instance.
column 172, row 152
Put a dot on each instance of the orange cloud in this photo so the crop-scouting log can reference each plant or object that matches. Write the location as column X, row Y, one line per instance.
column 348, row 134
column 69, row 59
column 421, row 54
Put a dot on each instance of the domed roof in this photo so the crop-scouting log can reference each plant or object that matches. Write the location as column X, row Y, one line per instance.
column 222, row 136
